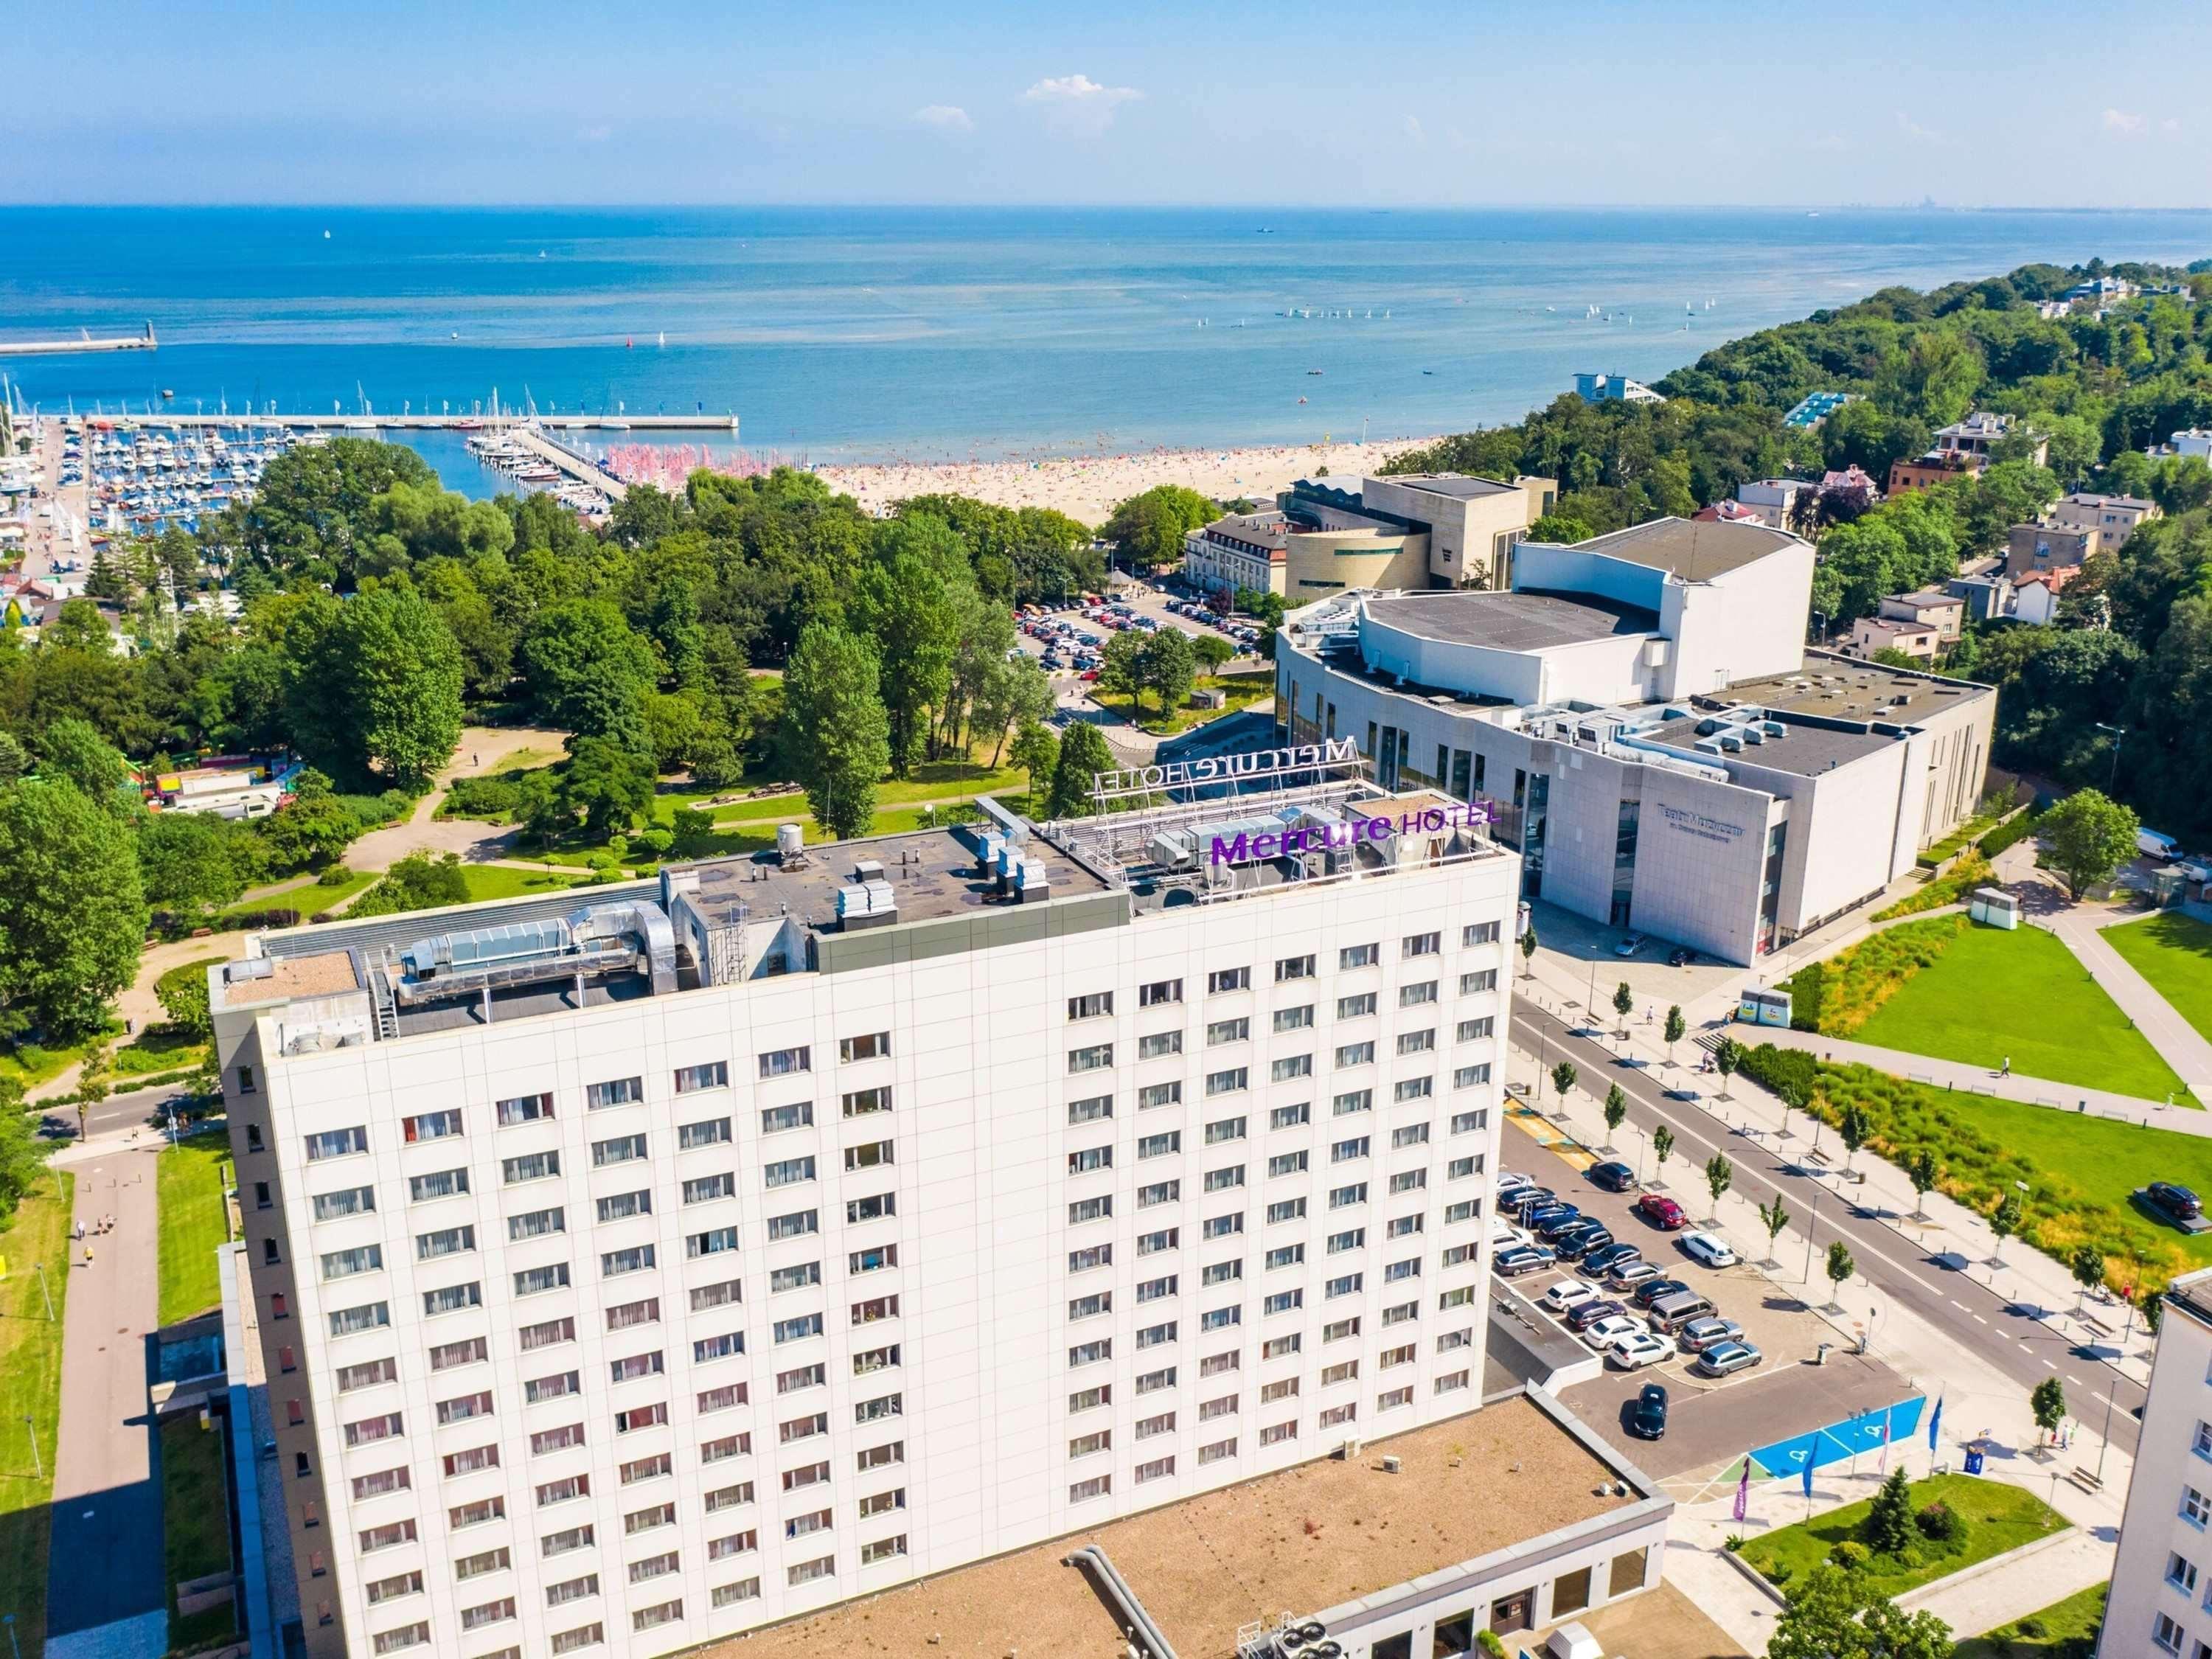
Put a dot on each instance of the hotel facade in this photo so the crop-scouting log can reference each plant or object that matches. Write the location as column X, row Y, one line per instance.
column 653, row 1264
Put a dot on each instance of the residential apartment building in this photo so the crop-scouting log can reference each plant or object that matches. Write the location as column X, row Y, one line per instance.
column 1613, row 388
column 2161, row 1595
column 2114, row 518
column 1870, row 634
column 636, row 1268
column 1962, row 449
column 1929, row 607
column 2035, row 549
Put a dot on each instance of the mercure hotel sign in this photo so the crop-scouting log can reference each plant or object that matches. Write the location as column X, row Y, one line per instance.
column 1249, row 766
column 1243, row 849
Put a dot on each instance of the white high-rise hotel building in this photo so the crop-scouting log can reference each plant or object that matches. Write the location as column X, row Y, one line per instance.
column 649, row 1265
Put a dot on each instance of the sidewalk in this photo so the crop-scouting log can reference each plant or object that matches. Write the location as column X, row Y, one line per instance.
column 106, row 1595
column 2080, row 928
column 1981, row 1080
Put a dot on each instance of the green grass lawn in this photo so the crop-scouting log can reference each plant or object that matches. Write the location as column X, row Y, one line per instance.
column 1998, row 1517
column 498, row 881
column 31, row 1386
column 34, row 1063
column 2174, row 953
column 1242, row 690
column 2073, row 1620
column 195, row 1527
column 195, row 1223
column 2022, row 995
column 159, row 1049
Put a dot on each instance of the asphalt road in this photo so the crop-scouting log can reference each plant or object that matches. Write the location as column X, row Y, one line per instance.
column 2005, row 1336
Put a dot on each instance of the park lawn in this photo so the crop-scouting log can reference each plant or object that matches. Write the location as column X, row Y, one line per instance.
column 1242, row 690
column 2174, row 953
column 309, row 898
column 1998, row 1517
column 31, row 1386
column 2022, row 995
column 2078, row 1616
column 498, row 881
column 195, row 1527
column 189, row 1182
column 34, row 1063
column 159, row 1048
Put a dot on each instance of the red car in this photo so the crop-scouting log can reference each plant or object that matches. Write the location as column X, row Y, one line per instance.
column 1088, row 674
column 1662, row 1212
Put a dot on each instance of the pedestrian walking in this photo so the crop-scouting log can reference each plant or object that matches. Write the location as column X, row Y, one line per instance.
column 2006, row 1072
column 79, row 1232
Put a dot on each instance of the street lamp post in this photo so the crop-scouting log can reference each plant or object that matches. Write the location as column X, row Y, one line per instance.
column 38, row 1465
column 2120, row 736
column 1811, row 1223
column 40, row 1267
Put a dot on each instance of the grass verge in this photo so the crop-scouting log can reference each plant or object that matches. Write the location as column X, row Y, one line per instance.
column 190, row 1179
column 2064, row 1630
column 195, row 1528
column 1998, row 1518
column 2079, row 1170
column 31, row 1386
column 2174, row 953
column 1952, row 887
column 2022, row 996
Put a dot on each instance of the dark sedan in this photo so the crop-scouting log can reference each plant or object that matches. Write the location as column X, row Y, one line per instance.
column 1648, row 1417
column 1604, row 1260
column 1520, row 1259
column 1645, row 1295
column 1548, row 1225
column 1526, row 1199
column 1580, row 1319
column 1580, row 1241
column 1611, row 1177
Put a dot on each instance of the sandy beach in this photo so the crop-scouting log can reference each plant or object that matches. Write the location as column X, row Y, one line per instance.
column 1089, row 487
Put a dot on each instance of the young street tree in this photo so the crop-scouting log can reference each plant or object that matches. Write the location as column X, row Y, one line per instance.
column 1676, row 1026
column 1774, row 1218
column 2086, row 837
column 1616, row 1109
column 1624, row 1001
column 2004, row 1220
column 1528, row 950
column 1840, row 1269
column 1563, row 1078
column 1888, row 1529
column 1037, row 752
column 1727, row 1054
column 2047, row 1399
column 2088, row 1269
column 1662, row 1145
column 1720, row 1175
column 843, row 735
column 1854, row 1126
column 1923, row 1173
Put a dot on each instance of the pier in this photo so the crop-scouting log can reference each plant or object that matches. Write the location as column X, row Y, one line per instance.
column 571, row 465
column 84, row 341
column 502, row 422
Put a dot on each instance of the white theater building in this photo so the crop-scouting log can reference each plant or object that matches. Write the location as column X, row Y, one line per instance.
column 1642, row 712
column 645, row 1266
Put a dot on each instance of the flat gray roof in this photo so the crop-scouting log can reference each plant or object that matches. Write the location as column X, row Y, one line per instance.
column 1524, row 620
column 1806, row 751
column 1696, row 552
column 1452, row 483
column 1845, row 688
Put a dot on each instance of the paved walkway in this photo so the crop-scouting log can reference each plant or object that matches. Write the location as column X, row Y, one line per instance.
column 2179, row 1044
column 482, row 750
column 2032, row 1583
column 105, row 1598
column 1980, row 1080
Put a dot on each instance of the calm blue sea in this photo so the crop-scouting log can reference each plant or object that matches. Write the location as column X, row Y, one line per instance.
column 852, row 334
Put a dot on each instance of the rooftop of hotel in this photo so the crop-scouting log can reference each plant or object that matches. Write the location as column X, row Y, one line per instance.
column 1683, row 547
column 1846, row 688
column 1517, row 621
column 1458, row 486
column 1304, row 1540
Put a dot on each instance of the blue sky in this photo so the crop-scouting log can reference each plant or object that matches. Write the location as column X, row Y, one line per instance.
column 953, row 100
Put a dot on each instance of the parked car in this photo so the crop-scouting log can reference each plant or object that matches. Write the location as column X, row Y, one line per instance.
column 1630, row 945
column 1504, row 1236
column 1611, row 1177
column 1510, row 1179
column 1680, row 957
column 1088, row 674
column 1602, row 1334
column 1526, row 1259
column 1522, row 1199
column 1568, row 1295
column 1576, row 1244
column 2177, row 1201
column 1710, row 1332
column 1590, row 1313
column 1548, row 1225
column 1604, row 1261
column 1652, row 1290
column 1639, row 1349
column 1647, row 1418
column 1710, row 1249
column 1662, row 1211
column 1725, row 1358
column 1629, row 1275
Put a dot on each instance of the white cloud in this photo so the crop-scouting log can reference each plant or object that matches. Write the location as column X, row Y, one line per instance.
column 945, row 117
column 1413, row 129
column 2126, row 124
column 1913, row 129
column 599, row 135
column 2169, row 127
column 1077, row 104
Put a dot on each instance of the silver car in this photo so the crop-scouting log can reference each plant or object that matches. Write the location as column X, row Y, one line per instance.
column 1726, row 1359
column 1700, row 1334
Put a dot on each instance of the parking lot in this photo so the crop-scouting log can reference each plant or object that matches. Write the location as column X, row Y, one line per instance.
column 1076, row 633
column 1711, row 1421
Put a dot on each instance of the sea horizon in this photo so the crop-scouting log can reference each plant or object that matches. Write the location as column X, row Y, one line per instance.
column 843, row 335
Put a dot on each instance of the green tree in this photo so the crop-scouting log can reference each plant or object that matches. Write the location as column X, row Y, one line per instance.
column 72, row 910
column 373, row 686
column 418, row 882
column 2005, row 1219
column 1616, row 1109
column 1170, row 667
column 589, row 672
column 2088, row 1267
column 1922, row 1172
column 1213, row 652
column 1675, row 1027
column 1854, row 1126
column 1662, row 1145
column 1121, row 666
column 1774, row 1218
column 1720, row 1175
column 1563, row 1080
column 2087, row 837
column 73, row 749
column 184, row 863
column 1146, row 531
column 1624, row 1001
column 1037, row 752
column 2047, row 1399
column 23, row 1150
column 1528, row 950
column 606, row 784
column 1083, row 756
column 1887, row 1528
column 1840, row 1269
column 912, row 598
column 1830, row 1614
column 840, row 731
column 1728, row 1054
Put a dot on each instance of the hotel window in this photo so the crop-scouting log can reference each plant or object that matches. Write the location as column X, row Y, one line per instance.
column 345, row 1322
column 1221, row 1273
column 447, row 1240
column 774, row 1120
column 407, row 1635
column 2196, row 1507
column 1157, row 1044
column 708, row 1188
column 710, row 1132
column 1159, row 991
column 1153, row 1336
column 636, row 1259
column 1229, row 1082
column 1398, row 1271
column 343, row 1264
column 1421, row 945
column 1148, row 1427
column 865, row 1103
column 873, row 1259
column 1228, row 1031
column 351, row 1377
column 1166, row 1239
column 1416, row 1042
column 1343, row 1151
column 535, row 1166
column 727, row 1345
column 1470, row 1077
column 1477, row 1030
column 1159, row 1094
column 715, row 1074
column 1407, row 1181
column 1228, row 979
column 1282, row 1301
column 1412, row 996
column 1095, row 1005
column 553, row 1440
column 1410, row 1134
column 452, row 1299
column 328, row 1207
column 1227, row 1128
column 1358, row 1008
column 552, row 1334
column 1459, row 1298
column 1217, row 1226
column 885, row 1502
column 1290, row 967
column 1343, row 1371
column 1478, row 933
column 1098, row 1057
column 629, row 1315
column 1289, row 1067
column 802, row 1276
column 1343, row 1198
column 392, row 1589
column 1467, row 1209
column 1163, row 1192
column 785, row 1063
column 1294, row 1020
column 620, row 1091
column 1414, row 1088
column 874, row 1309
column 1149, row 1290
column 1289, row 1209
column 660, row 1613
column 1482, row 980
column 745, row 1589
column 1347, row 1284
column 868, row 1155
column 2166, row 1635
column 536, row 1224
column 796, row 1330
column 1096, row 1486
column 2181, row 1573
column 636, row 1366
column 656, row 1415
column 1283, row 1163
column 1359, row 956
column 559, row 1385
column 1355, row 1054
column 1290, row 1117
column 524, row 1109
column 337, row 1143
column 876, row 1045
column 370, row 1430
column 788, row 1173
column 620, row 1206
column 1275, row 1433
column 1089, row 1109
column 1159, row 1145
